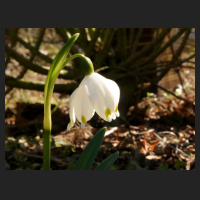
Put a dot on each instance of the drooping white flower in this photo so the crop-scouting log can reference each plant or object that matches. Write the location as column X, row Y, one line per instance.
column 95, row 93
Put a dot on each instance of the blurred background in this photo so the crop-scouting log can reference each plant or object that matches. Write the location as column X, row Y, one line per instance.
column 155, row 70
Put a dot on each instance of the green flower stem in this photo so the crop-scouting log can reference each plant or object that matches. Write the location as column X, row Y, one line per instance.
column 86, row 64
column 46, row 152
column 58, row 64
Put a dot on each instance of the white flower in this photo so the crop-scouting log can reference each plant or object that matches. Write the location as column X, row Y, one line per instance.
column 95, row 93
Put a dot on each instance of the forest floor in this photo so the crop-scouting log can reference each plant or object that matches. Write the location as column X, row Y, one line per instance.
column 158, row 135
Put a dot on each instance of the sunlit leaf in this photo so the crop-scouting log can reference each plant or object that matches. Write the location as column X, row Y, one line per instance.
column 86, row 159
column 59, row 143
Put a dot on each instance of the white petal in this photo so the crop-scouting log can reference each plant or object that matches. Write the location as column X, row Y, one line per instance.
column 113, row 116
column 82, row 106
column 103, row 94
column 117, row 113
column 69, row 126
column 109, row 118
column 71, row 111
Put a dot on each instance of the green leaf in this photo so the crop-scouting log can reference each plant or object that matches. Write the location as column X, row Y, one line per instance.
column 55, row 108
column 57, row 64
column 86, row 159
column 108, row 162
column 179, row 164
column 10, row 145
column 108, row 146
column 113, row 168
column 73, row 150
column 71, row 166
column 164, row 167
column 59, row 143
column 56, row 67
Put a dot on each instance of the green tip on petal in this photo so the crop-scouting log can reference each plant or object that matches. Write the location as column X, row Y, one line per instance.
column 107, row 113
column 83, row 119
column 116, row 109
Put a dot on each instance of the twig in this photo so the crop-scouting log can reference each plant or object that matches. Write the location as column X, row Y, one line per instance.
column 12, row 45
column 107, row 67
column 131, row 39
column 34, row 67
column 23, row 72
column 91, row 32
column 83, row 37
column 171, row 46
column 166, row 71
column 183, row 43
column 146, row 49
column 162, row 49
column 178, row 53
column 137, row 39
column 32, row 49
column 63, row 35
column 105, row 47
column 181, row 81
column 189, row 67
column 91, row 46
column 60, row 88
column 179, row 150
column 72, row 31
column 168, row 91
column 153, row 83
column 121, row 33
column 40, row 157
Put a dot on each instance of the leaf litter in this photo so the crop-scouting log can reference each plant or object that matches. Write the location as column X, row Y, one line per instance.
column 165, row 139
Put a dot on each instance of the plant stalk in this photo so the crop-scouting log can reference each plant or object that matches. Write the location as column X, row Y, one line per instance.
column 47, row 150
column 57, row 65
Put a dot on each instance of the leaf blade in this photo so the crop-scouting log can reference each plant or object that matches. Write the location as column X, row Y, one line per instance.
column 86, row 159
column 108, row 162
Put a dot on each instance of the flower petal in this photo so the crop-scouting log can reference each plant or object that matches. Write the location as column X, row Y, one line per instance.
column 71, row 111
column 82, row 106
column 103, row 95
